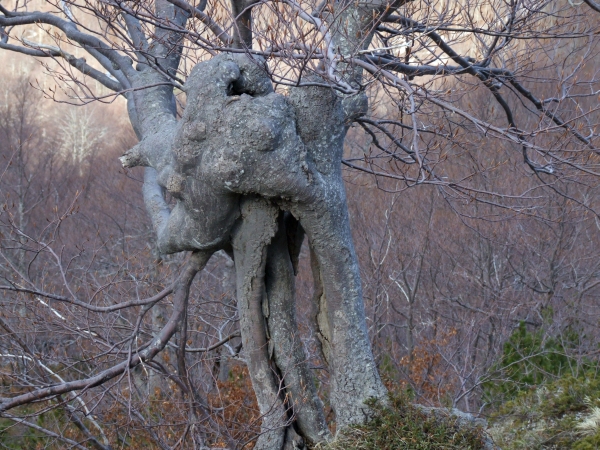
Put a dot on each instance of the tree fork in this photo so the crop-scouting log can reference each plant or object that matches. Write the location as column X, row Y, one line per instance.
column 238, row 148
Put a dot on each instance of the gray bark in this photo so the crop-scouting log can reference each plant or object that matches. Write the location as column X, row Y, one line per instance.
column 240, row 150
column 325, row 219
column 250, row 240
column 288, row 351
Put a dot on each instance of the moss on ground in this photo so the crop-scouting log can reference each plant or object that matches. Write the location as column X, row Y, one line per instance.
column 402, row 425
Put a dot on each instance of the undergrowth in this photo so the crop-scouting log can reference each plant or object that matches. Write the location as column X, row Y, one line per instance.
column 402, row 425
column 564, row 414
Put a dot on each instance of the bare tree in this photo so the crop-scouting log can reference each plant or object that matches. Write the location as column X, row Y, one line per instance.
column 251, row 171
column 79, row 135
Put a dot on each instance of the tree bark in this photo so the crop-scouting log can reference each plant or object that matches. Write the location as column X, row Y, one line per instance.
column 250, row 240
column 239, row 154
column 289, row 354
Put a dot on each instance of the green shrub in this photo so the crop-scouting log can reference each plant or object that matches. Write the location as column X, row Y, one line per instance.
column 530, row 360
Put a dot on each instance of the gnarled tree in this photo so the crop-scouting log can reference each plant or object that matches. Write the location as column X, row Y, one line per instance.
column 253, row 169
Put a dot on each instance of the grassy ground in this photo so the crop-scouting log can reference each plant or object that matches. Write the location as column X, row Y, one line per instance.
column 564, row 414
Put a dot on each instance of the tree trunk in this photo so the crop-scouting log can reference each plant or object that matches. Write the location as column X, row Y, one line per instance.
column 250, row 240
column 239, row 157
column 290, row 358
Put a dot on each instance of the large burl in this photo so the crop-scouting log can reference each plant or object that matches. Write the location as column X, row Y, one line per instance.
column 236, row 137
column 239, row 156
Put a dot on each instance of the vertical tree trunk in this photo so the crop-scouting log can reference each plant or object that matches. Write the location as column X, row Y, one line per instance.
column 324, row 217
column 354, row 374
column 250, row 240
column 288, row 351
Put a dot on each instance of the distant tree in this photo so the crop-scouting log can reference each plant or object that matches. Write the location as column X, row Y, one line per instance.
column 79, row 135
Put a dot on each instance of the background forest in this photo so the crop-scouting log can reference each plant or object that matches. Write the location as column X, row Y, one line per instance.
column 485, row 300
